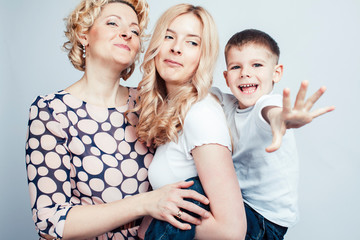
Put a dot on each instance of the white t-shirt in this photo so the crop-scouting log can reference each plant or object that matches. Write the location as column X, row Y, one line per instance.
column 205, row 123
column 268, row 181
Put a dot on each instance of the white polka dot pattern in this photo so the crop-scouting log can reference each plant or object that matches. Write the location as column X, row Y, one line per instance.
column 80, row 154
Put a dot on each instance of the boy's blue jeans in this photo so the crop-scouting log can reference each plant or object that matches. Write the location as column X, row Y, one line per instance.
column 165, row 231
column 259, row 228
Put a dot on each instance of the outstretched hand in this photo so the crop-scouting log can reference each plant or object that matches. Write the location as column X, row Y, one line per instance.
column 287, row 117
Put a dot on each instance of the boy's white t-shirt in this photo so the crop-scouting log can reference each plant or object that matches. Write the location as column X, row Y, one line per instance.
column 268, row 181
column 205, row 123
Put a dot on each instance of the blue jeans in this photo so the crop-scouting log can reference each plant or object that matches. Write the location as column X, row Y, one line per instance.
column 259, row 228
column 165, row 231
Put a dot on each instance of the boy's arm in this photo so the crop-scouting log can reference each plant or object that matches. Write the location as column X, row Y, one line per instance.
column 286, row 117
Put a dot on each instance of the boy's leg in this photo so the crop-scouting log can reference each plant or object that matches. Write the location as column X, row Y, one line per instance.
column 255, row 224
column 274, row 231
column 165, row 231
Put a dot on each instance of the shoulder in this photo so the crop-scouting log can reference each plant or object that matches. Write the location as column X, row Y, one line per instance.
column 45, row 114
column 206, row 123
column 270, row 100
column 208, row 106
column 205, row 114
column 52, row 100
column 228, row 102
column 255, row 113
column 218, row 93
column 224, row 98
column 266, row 101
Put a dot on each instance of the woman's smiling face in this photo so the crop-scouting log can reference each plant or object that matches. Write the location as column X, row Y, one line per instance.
column 179, row 55
column 114, row 36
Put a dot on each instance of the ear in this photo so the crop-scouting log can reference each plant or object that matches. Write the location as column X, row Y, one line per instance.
column 83, row 39
column 225, row 76
column 278, row 72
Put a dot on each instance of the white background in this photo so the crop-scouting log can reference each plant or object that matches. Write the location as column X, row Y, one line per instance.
column 319, row 41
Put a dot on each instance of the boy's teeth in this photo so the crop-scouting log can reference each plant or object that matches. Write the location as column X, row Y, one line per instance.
column 248, row 88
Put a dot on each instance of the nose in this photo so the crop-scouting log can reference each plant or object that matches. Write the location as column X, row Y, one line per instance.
column 125, row 33
column 245, row 73
column 176, row 48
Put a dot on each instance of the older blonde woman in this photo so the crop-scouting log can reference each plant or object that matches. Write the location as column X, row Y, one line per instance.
column 87, row 171
column 186, row 124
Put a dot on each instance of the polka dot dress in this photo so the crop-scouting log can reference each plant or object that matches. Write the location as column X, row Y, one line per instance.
column 81, row 154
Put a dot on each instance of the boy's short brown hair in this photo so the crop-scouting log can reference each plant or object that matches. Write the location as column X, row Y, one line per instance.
column 253, row 36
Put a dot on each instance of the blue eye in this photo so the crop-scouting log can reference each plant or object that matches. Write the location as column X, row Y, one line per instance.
column 168, row 37
column 235, row 67
column 193, row 43
column 257, row 65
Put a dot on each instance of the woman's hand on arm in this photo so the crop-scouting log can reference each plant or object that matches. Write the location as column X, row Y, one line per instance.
column 162, row 204
column 168, row 200
column 217, row 174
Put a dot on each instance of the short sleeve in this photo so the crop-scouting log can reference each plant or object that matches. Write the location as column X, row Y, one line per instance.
column 205, row 123
column 228, row 101
column 266, row 101
column 48, row 169
column 218, row 94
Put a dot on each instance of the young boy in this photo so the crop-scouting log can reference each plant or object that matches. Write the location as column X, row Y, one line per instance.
column 268, row 179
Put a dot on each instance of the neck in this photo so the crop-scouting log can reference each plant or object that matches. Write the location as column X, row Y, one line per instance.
column 100, row 87
column 173, row 89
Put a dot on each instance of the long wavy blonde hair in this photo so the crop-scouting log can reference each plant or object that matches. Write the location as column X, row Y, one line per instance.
column 161, row 121
column 83, row 17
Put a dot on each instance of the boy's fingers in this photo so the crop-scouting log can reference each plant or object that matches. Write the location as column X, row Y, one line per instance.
column 318, row 112
column 300, row 97
column 272, row 148
column 313, row 99
column 276, row 143
column 286, row 101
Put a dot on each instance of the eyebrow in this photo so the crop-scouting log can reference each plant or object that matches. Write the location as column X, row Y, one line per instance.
column 189, row 35
column 253, row 60
column 258, row 60
column 118, row 17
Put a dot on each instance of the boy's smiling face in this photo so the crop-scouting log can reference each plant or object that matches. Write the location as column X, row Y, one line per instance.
column 251, row 72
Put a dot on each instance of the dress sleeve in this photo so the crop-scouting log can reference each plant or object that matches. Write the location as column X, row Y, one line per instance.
column 48, row 168
column 205, row 123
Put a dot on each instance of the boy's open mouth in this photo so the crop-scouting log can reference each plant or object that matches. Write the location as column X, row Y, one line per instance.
column 248, row 88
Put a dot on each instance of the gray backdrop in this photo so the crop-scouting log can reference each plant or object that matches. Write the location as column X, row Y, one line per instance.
column 319, row 41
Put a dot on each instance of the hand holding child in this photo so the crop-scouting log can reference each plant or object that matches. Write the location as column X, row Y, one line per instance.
column 286, row 117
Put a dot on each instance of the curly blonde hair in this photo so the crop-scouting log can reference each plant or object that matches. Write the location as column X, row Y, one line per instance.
column 160, row 120
column 83, row 17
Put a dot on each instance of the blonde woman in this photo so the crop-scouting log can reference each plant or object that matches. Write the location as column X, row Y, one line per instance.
column 87, row 171
column 186, row 124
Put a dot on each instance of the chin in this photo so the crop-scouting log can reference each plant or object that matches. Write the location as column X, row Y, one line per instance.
column 246, row 103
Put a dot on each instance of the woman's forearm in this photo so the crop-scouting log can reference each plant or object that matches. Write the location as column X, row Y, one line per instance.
column 94, row 220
